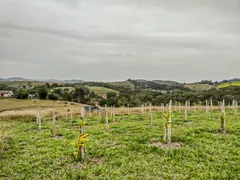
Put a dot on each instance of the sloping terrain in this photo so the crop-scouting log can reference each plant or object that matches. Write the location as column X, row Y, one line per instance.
column 122, row 84
column 199, row 87
column 174, row 83
column 100, row 90
column 11, row 104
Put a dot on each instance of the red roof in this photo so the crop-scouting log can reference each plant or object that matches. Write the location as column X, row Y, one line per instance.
column 4, row 92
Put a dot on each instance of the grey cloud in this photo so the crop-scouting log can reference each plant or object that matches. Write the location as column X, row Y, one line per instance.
column 41, row 30
column 120, row 39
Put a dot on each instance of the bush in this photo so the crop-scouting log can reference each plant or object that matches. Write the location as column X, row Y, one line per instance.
column 21, row 94
column 53, row 96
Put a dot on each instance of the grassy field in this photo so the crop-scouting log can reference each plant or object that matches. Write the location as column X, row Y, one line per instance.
column 15, row 84
column 126, row 151
column 199, row 87
column 100, row 90
column 224, row 85
column 10, row 103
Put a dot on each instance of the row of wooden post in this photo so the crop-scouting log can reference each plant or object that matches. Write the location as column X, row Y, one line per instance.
column 143, row 110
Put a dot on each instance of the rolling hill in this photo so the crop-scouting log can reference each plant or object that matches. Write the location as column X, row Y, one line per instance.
column 199, row 87
column 100, row 90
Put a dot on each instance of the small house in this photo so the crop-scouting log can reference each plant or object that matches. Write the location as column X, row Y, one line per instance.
column 4, row 93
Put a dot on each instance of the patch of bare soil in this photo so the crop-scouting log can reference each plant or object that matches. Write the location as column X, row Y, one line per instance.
column 167, row 146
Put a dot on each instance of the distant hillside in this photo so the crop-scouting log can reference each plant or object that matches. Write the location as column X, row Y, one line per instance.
column 122, row 84
column 158, row 85
column 141, row 80
column 199, row 87
column 174, row 83
column 14, row 79
column 19, row 79
column 229, row 80
column 234, row 84
column 15, row 84
column 137, row 84
column 100, row 90
column 72, row 81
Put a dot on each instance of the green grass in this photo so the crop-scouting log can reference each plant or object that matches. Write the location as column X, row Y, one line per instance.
column 237, row 83
column 224, row 85
column 126, row 151
column 100, row 90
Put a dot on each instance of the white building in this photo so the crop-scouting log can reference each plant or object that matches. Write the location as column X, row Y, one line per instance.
column 4, row 93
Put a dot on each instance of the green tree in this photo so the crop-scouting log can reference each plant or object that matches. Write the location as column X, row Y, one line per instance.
column 29, row 85
column 52, row 96
column 79, row 95
column 42, row 92
column 111, row 95
column 48, row 85
column 54, row 85
column 21, row 94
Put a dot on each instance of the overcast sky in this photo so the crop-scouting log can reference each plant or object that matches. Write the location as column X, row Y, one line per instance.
column 107, row 40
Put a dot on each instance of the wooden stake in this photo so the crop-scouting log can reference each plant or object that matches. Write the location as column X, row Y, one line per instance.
column 99, row 114
column 83, row 113
column 189, row 106
column 67, row 113
column 82, row 130
column 211, row 104
column 71, row 115
column 236, row 109
column 114, row 118
column 90, row 111
column 170, row 121
column 107, row 119
column 162, row 107
column 39, row 121
column 54, row 126
column 185, row 113
column 165, row 132
column 206, row 106
column 223, row 120
column 150, row 112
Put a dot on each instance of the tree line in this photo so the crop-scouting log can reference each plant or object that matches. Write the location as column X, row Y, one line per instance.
column 125, row 97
